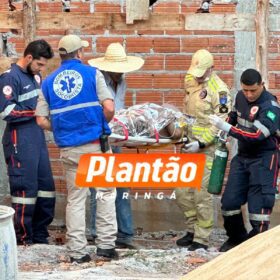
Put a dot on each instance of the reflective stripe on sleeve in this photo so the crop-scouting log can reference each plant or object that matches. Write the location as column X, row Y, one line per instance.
column 28, row 95
column 8, row 110
column 262, row 128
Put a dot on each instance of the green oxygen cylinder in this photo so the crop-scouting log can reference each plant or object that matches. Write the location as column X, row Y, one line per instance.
column 218, row 168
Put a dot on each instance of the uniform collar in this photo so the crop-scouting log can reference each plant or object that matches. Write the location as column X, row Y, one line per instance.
column 71, row 61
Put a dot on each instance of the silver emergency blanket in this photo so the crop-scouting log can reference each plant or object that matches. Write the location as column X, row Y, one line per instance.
column 148, row 120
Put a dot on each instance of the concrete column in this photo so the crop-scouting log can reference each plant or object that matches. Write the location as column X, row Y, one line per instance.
column 245, row 44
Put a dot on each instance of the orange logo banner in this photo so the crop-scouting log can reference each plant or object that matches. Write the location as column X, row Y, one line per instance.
column 141, row 170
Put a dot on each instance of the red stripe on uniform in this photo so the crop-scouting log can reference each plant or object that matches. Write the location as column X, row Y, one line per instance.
column 22, row 218
column 23, row 113
column 261, row 227
column 247, row 134
column 276, row 171
column 16, row 215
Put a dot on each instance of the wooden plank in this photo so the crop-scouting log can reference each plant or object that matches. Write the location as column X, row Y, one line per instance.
column 220, row 22
column 262, row 39
column 257, row 259
column 88, row 21
column 11, row 20
column 29, row 20
column 97, row 21
column 136, row 10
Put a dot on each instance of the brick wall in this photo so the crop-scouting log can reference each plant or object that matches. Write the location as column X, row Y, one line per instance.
column 167, row 52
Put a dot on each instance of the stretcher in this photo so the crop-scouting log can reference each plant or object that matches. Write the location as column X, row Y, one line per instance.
column 145, row 142
column 149, row 126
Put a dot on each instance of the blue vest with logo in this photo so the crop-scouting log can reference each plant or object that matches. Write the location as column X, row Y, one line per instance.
column 77, row 117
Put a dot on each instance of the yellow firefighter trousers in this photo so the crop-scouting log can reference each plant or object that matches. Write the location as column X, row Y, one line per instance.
column 197, row 207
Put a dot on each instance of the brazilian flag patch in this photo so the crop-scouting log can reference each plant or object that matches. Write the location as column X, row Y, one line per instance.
column 271, row 115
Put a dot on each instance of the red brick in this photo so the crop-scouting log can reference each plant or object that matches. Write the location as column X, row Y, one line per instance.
column 167, row 81
column 121, row 32
column 193, row 44
column 225, row 62
column 103, row 42
column 174, row 98
column 153, row 63
column 139, row 45
column 166, row 8
column 227, row 78
column 139, row 80
column 149, row 96
column 166, row 45
column 221, row 44
column 177, row 62
column 273, row 46
column 150, row 32
column 213, row 32
column 129, row 99
column 106, row 8
column 274, row 64
column 180, row 32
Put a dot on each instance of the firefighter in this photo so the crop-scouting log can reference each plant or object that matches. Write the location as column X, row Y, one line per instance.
column 30, row 177
column 206, row 94
column 254, row 121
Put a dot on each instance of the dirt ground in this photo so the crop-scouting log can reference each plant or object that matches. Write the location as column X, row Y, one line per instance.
column 156, row 257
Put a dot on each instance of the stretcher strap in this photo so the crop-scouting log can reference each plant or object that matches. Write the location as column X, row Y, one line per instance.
column 156, row 135
column 125, row 130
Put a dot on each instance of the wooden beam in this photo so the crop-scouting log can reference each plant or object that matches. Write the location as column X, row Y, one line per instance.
column 90, row 22
column 29, row 20
column 253, row 259
column 11, row 20
column 97, row 21
column 136, row 10
column 262, row 39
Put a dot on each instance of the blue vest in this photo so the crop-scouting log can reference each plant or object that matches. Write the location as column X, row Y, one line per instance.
column 77, row 117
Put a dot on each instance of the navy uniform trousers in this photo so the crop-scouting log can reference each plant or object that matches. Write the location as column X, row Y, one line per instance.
column 31, row 182
column 251, row 180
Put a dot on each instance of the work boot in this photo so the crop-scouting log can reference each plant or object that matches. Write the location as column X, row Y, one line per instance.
column 83, row 259
column 185, row 240
column 229, row 244
column 125, row 245
column 196, row 245
column 109, row 254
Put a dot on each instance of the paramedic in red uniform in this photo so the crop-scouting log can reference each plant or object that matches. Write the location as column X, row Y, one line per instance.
column 30, row 177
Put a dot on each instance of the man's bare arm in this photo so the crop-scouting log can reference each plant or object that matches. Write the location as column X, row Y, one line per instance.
column 108, row 109
column 44, row 123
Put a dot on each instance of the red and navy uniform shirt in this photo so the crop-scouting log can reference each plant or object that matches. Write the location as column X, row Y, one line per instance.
column 18, row 94
column 255, row 124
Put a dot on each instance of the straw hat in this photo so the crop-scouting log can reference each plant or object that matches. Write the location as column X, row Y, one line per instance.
column 116, row 60
column 201, row 61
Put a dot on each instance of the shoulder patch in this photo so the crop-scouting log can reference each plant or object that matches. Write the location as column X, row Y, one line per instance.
column 271, row 115
column 223, row 97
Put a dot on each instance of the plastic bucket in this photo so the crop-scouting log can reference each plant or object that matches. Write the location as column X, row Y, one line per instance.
column 8, row 244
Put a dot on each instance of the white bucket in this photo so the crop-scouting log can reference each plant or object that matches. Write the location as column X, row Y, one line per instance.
column 8, row 244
